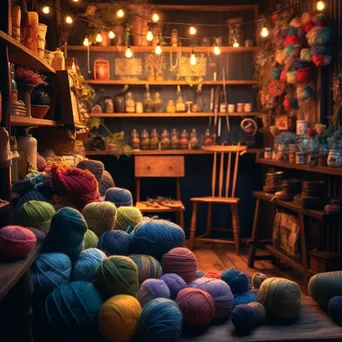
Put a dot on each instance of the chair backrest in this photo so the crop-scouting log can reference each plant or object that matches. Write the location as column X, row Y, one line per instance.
column 222, row 174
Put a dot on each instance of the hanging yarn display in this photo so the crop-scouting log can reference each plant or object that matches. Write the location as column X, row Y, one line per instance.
column 291, row 77
column 151, row 289
column 319, row 35
column 118, row 318
column 127, row 218
column 335, row 309
column 93, row 166
column 304, row 74
column 276, row 73
column 321, row 60
column 237, row 281
column 106, row 182
column 115, row 242
column 276, row 88
column 148, row 267
column 90, row 240
column 174, row 282
column 120, row 197
column 245, row 298
column 280, row 56
column 303, row 93
column 257, row 279
column 290, row 103
column 305, row 55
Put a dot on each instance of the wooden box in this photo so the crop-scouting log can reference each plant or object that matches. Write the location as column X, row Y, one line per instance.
column 325, row 261
column 153, row 166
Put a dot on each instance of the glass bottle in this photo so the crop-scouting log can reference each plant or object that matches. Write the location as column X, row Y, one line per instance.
column 170, row 108
column 165, row 140
column 109, row 107
column 145, row 140
column 184, row 140
column 119, row 104
column 135, row 140
column 174, row 139
column 180, row 104
column 154, row 142
column 14, row 86
column 148, row 103
column 208, row 140
column 158, row 103
column 194, row 142
column 129, row 103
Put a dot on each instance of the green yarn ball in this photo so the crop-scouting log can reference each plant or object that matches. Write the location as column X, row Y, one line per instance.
column 117, row 275
column 36, row 214
column 90, row 240
column 127, row 218
column 100, row 216
column 280, row 297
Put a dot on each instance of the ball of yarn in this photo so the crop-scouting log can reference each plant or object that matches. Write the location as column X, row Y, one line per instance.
column 174, row 282
column 41, row 162
column 117, row 275
column 50, row 271
column 105, row 182
column 127, row 218
column 120, row 197
column 157, row 237
column 304, row 74
column 323, row 286
column 36, row 214
column 197, row 306
column 160, row 320
column 335, row 309
column 280, row 297
column 283, row 76
column 237, row 281
column 181, row 261
column 86, row 264
column 260, row 312
column 219, row 291
column 280, row 56
column 306, row 17
column 212, row 274
column 90, row 240
column 199, row 274
column 257, row 279
column 321, row 60
column 305, row 54
column 245, row 298
column 115, row 242
column 40, row 234
column 148, row 267
column 94, row 166
column 291, row 77
column 118, row 318
column 151, row 289
column 100, row 216
column 276, row 73
column 71, row 310
column 16, row 241
column 244, row 317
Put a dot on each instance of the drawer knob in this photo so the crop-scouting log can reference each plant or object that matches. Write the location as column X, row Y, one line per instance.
column 147, row 167
column 170, row 167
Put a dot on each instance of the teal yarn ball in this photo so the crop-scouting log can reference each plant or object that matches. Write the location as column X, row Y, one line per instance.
column 148, row 267
column 244, row 298
column 66, row 234
column 86, row 264
column 120, row 197
column 160, row 320
column 90, row 240
column 244, row 317
column 238, row 281
column 71, row 310
column 50, row 271
column 156, row 237
column 151, row 289
column 115, row 242
column 335, row 309
column 117, row 275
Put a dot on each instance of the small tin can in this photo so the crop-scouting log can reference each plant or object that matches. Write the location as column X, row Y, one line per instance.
column 300, row 158
column 223, row 108
column 268, row 153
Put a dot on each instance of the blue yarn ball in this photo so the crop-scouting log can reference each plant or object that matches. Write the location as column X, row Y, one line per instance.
column 244, row 298
column 50, row 271
column 86, row 264
column 71, row 310
column 335, row 309
column 238, row 281
column 174, row 282
column 199, row 274
column 157, row 237
column 244, row 317
column 160, row 320
column 120, row 197
column 151, row 289
column 115, row 242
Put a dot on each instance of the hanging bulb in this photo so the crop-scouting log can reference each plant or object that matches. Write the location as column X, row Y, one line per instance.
column 320, row 5
column 75, row 0
column 46, row 9
column 128, row 53
column 192, row 31
column 158, row 49
column 69, row 20
column 193, row 59
column 236, row 44
column 99, row 38
column 264, row 31
column 86, row 41
column 217, row 50
column 120, row 13
column 155, row 17
column 149, row 36
column 111, row 35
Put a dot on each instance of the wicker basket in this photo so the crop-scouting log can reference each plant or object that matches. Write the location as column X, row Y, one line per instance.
column 38, row 111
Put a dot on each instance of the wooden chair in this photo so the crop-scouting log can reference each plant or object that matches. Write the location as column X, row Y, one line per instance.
column 160, row 166
column 217, row 195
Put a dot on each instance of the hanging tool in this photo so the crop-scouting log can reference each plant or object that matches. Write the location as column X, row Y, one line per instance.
column 212, row 96
column 216, row 107
column 225, row 97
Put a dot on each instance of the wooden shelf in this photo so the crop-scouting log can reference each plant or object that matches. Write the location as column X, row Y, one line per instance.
column 21, row 55
column 23, row 121
column 168, row 83
column 167, row 115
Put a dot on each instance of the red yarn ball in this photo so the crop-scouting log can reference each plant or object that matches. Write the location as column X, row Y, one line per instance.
column 212, row 274
column 304, row 74
column 283, row 75
column 291, row 40
column 308, row 26
column 197, row 306
column 16, row 241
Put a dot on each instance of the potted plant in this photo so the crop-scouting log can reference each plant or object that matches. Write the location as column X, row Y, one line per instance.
column 40, row 103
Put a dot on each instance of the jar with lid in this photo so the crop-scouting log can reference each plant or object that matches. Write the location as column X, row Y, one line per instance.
column 145, row 140
column 154, row 141
column 14, row 94
column 148, row 103
column 109, row 107
column 119, row 104
column 313, row 158
column 208, row 140
column 268, row 153
column 174, row 139
column 194, row 142
column 334, row 158
column 139, row 107
column 170, row 108
column 292, row 153
column 135, row 140
column 180, row 104
column 165, row 140
column 184, row 140
column 157, row 103
column 129, row 103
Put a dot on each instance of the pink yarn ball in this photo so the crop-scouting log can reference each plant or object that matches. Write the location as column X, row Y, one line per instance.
column 196, row 305
column 16, row 241
column 182, row 262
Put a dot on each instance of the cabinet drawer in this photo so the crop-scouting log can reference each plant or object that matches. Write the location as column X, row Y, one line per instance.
column 163, row 166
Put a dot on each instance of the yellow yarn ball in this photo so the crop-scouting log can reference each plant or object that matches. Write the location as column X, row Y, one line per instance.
column 305, row 55
column 118, row 318
column 127, row 218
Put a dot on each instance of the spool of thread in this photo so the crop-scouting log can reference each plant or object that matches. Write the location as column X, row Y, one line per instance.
column 105, row 183
column 237, row 281
column 120, row 197
column 151, row 289
column 117, row 275
column 197, row 307
column 94, row 166
column 115, row 242
column 148, row 267
column 212, row 274
column 257, row 279
column 127, row 218
column 174, row 282
column 86, row 264
column 118, row 318
column 181, row 261
column 335, row 309
column 90, row 239
column 245, row 298
column 100, row 216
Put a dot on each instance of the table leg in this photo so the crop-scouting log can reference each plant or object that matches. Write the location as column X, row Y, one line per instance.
column 304, row 247
column 255, row 235
column 193, row 225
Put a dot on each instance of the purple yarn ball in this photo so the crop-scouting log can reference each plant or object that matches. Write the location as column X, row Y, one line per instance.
column 151, row 289
column 174, row 282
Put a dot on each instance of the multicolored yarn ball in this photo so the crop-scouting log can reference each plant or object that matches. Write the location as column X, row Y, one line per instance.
column 50, row 271
column 105, row 183
column 16, row 241
column 335, row 309
column 115, row 242
column 86, row 264
column 244, row 318
column 257, row 279
column 291, row 77
column 304, row 93
column 181, row 261
column 319, row 35
column 160, row 320
column 94, row 166
column 283, row 76
column 197, row 306
column 238, row 281
column 36, row 214
column 290, row 103
column 245, row 298
column 174, row 282
column 127, row 218
column 219, row 291
column 90, row 240
column 151, row 289
column 156, row 237
column 280, row 297
column 321, row 50
column 260, row 312
column 199, row 274
column 320, row 19
column 293, row 31
column 100, row 216
column 212, row 274
column 148, row 267
column 276, row 73
column 321, row 60
column 305, row 55
column 118, row 318
column 71, row 310
column 120, row 197
column 117, row 275
column 280, row 56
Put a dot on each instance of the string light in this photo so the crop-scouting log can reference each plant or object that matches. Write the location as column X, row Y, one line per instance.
column 111, row 35
column 99, row 38
column 192, row 31
column 217, row 50
column 149, row 36
column 155, row 17
column 236, row 44
column 69, row 20
column 86, row 41
column 264, row 31
column 193, row 59
column 158, row 49
column 120, row 13
column 320, row 5
column 128, row 53
column 46, row 9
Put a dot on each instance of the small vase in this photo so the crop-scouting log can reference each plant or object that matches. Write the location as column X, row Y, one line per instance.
column 25, row 91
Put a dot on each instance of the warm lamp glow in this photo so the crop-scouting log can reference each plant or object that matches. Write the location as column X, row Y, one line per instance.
column 320, row 5
column 86, row 41
column 158, row 49
column 155, row 17
column 193, row 59
column 192, row 31
column 128, row 53
column 75, row 0
column 46, row 9
column 69, row 20
column 236, row 44
column 217, row 50
column 149, row 36
column 264, row 31
column 111, row 35
column 120, row 13
column 99, row 38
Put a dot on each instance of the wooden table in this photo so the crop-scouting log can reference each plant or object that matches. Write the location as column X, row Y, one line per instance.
column 313, row 324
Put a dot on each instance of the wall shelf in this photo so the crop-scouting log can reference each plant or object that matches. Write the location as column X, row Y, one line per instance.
column 168, row 115
column 168, row 83
column 23, row 121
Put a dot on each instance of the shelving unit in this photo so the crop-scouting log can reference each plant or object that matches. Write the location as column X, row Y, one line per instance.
column 169, row 83
column 23, row 121
column 168, row 115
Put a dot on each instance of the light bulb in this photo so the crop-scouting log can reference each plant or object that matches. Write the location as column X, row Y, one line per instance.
column 111, row 35
column 46, row 9
column 69, row 20
column 158, row 49
column 193, row 59
column 75, row 0
column 264, row 31
column 99, row 38
column 155, row 17
column 120, row 13
column 192, row 30
column 320, row 5
column 217, row 50
column 236, row 44
column 86, row 41
column 128, row 53
column 149, row 36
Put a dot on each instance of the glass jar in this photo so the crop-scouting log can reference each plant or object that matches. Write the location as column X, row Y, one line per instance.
column 184, row 140
column 14, row 86
column 194, row 142
column 313, row 158
column 135, row 140
column 281, row 153
column 268, row 153
column 174, row 139
column 240, row 107
column 180, row 104
column 148, row 103
column 129, row 103
column 292, row 153
column 119, row 104
column 154, row 142
column 145, row 140
column 170, row 108
column 139, row 108
column 165, row 143
column 300, row 158
column 334, row 158
column 109, row 107
column 158, row 103
column 208, row 140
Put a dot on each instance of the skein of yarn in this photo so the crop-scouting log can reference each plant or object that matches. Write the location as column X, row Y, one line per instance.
column 151, row 289
column 148, row 267
column 115, row 242
column 94, row 166
column 90, row 240
column 36, row 214
column 120, row 197
column 257, row 279
column 335, row 309
column 105, row 183
column 127, row 218
column 237, row 281
column 174, row 282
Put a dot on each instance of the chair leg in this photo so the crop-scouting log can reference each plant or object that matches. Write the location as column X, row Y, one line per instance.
column 209, row 218
column 255, row 236
column 236, row 227
column 193, row 226
column 181, row 219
